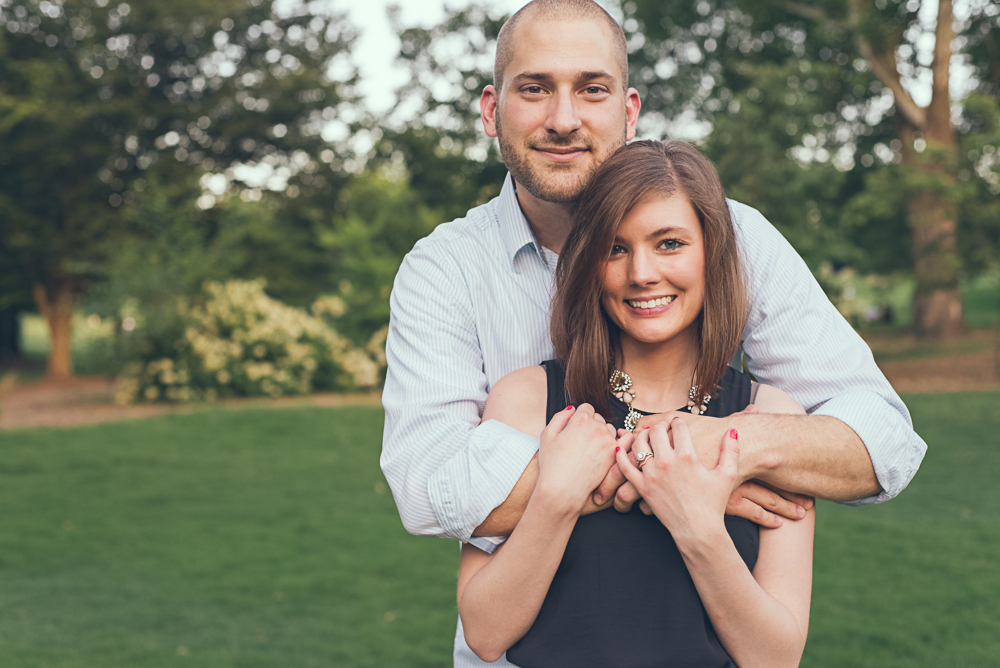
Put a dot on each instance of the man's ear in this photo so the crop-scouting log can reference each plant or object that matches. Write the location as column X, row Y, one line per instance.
column 488, row 110
column 632, row 106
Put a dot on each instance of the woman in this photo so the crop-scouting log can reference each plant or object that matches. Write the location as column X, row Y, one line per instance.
column 649, row 294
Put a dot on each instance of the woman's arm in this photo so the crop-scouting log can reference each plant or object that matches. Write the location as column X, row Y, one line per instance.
column 499, row 595
column 761, row 618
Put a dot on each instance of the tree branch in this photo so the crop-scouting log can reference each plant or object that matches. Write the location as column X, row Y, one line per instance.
column 807, row 12
column 939, row 110
column 884, row 67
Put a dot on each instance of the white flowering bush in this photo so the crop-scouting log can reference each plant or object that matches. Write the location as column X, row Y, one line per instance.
column 238, row 341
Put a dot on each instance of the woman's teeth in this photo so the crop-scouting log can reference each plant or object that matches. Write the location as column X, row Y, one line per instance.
column 653, row 303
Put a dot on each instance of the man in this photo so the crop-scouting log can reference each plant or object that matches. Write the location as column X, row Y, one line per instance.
column 471, row 301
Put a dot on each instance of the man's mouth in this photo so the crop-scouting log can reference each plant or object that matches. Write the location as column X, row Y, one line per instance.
column 562, row 153
column 650, row 303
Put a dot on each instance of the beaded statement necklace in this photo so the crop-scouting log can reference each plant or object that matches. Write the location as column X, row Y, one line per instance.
column 621, row 386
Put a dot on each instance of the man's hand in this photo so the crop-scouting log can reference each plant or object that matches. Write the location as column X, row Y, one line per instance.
column 766, row 506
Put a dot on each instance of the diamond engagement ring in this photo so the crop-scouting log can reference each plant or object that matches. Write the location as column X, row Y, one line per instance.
column 641, row 458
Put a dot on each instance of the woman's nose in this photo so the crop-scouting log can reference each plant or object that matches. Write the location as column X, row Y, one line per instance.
column 642, row 269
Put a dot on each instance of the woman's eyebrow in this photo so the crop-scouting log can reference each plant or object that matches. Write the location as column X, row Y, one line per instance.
column 670, row 229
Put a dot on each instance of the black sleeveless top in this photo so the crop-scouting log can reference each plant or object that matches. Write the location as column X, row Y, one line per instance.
column 622, row 595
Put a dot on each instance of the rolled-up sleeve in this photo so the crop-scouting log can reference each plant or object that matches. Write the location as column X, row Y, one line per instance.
column 446, row 471
column 797, row 340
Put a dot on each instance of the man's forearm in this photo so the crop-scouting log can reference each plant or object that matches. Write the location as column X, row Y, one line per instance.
column 816, row 455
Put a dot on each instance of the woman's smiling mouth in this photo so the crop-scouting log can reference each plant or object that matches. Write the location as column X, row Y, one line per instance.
column 646, row 304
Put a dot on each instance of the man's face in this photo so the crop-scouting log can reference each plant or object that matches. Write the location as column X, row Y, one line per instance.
column 563, row 109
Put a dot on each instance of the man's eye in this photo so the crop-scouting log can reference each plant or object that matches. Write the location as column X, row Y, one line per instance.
column 670, row 244
column 533, row 90
column 594, row 90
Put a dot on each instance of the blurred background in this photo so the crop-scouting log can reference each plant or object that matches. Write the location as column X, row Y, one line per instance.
column 202, row 209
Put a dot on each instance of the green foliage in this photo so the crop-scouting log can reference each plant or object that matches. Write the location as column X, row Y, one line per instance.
column 238, row 341
column 99, row 102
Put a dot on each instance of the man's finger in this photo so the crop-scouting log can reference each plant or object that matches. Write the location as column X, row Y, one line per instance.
column 806, row 502
column 766, row 498
column 644, row 507
column 740, row 506
column 612, row 481
column 647, row 421
column 626, row 497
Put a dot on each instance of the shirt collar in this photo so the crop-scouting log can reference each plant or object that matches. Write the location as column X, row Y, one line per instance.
column 514, row 230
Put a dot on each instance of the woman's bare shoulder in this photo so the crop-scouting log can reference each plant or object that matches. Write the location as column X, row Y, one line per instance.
column 772, row 400
column 519, row 400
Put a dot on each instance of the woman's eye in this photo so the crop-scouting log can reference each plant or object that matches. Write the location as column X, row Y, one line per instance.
column 670, row 244
column 617, row 250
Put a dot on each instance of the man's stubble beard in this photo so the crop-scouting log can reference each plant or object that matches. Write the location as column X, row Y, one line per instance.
column 543, row 186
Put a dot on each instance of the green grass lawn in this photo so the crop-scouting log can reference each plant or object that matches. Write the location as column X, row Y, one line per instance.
column 268, row 538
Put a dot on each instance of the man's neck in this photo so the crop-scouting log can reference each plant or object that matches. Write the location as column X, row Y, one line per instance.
column 550, row 222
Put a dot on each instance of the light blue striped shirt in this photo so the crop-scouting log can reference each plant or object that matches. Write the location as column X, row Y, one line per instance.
column 470, row 304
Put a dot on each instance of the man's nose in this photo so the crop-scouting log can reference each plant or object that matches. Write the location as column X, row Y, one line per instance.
column 563, row 117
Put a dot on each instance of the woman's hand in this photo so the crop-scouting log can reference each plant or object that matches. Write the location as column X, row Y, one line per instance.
column 577, row 448
column 688, row 498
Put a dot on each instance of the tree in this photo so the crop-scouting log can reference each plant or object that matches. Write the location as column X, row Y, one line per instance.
column 99, row 102
column 838, row 75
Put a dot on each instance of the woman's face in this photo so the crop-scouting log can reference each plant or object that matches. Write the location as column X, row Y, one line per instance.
column 654, row 280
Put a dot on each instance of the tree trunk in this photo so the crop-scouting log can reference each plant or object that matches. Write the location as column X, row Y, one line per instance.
column 58, row 313
column 937, row 304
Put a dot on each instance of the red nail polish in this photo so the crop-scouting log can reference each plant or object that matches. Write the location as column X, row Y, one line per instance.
column 617, row 448
column 733, row 434
column 568, row 407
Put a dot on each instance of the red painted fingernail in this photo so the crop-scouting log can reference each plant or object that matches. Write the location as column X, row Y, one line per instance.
column 568, row 407
column 617, row 448
column 733, row 434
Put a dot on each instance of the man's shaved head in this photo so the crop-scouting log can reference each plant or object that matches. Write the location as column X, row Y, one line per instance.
column 557, row 10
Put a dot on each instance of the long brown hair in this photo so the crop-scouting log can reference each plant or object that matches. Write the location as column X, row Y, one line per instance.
column 586, row 340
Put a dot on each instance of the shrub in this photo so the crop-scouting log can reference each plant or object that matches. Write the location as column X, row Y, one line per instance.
column 238, row 341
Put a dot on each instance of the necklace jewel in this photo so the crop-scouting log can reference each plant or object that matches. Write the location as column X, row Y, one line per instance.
column 620, row 385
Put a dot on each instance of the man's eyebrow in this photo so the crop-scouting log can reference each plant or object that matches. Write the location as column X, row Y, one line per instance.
column 532, row 76
column 587, row 76
column 547, row 76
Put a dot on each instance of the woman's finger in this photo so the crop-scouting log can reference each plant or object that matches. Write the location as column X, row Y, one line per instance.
column 659, row 442
column 626, row 440
column 560, row 420
column 681, row 437
column 628, row 469
column 729, row 459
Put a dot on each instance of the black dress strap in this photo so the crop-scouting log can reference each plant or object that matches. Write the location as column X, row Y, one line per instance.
column 555, row 379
